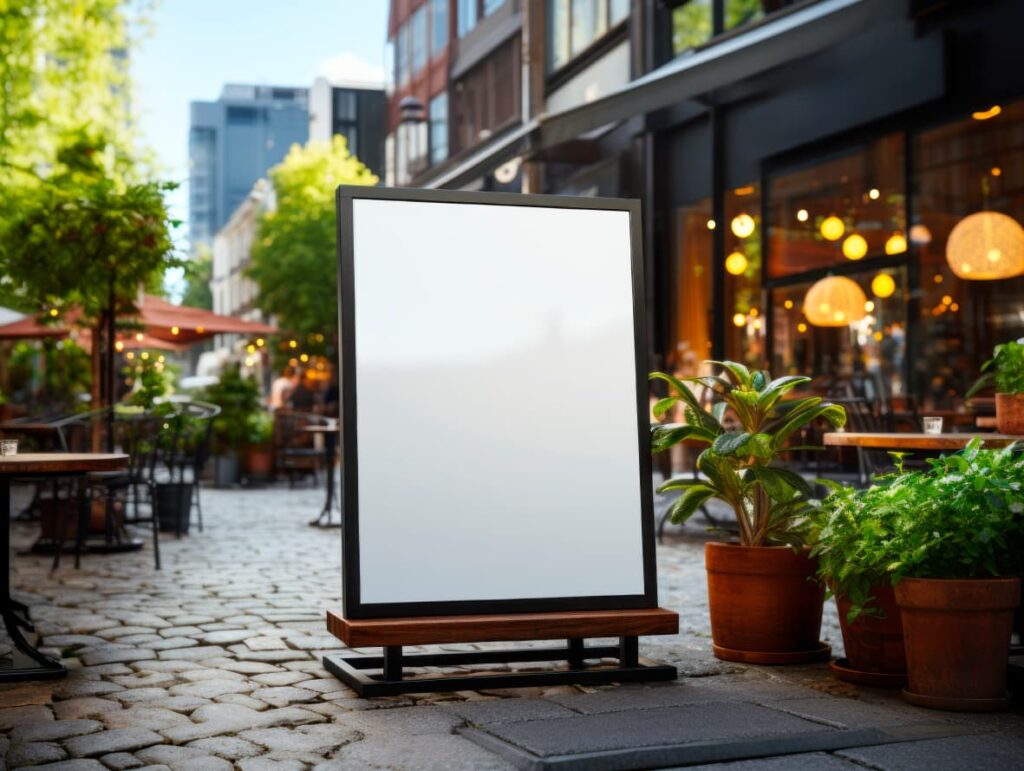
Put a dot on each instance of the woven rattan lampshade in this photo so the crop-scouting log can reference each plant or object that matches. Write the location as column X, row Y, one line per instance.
column 986, row 246
column 834, row 301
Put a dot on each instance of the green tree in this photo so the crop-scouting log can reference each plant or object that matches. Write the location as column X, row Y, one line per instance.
column 198, row 273
column 293, row 257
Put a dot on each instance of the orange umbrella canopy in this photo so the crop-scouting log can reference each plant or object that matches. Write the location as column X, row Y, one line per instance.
column 29, row 328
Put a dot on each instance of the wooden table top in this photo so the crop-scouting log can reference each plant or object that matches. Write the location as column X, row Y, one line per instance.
column 14, row 427
column 58, row 462
column 986, row 421
column 898, row 441
column 332, row 428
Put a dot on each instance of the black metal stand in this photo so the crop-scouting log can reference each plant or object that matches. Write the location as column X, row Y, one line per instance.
column 324, row 519
column 25, row 663
column 390, row 681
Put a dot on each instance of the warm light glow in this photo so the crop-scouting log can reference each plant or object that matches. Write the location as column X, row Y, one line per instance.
column 293, row 343
column 877, row 335
column 175, row 330
column 250, row 349
column 954, row 307
column 745, row 190
column 869, row 306
column 834, row 301
column 873, row 194
column 144, row 355
column 855, row 247
column 293, row 362
column 754, row 313
column 937, row 278
column 832, row 228
column 249, row 361
column 788, row 304
column 54, row 312
column 259, row 342
column 736, row 263
column 129, row 355
column 996, row 171
column 742, row 225
column 985, row 246
column 946, row 299
column 920, row 234
column 883, row 285
column 711, row 224
column 139, row 336
column 802, row 215
column 801, row 327
column 758, row 323
column 200, row 330
column 896, row 244
column 991, row 112
column 119, row 346
column 304, row 357
column 739, row 320
column 160, row 358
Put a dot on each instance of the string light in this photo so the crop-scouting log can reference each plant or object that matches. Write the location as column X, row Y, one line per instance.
column 832, row 228
column 736, row 263
column 855, row 247
column 742, row 225
column 802, row 215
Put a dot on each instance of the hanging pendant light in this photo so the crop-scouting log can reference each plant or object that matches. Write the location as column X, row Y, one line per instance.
column 834, row 301
column 986, row 246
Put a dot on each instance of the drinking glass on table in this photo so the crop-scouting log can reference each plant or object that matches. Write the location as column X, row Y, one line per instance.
column 8, row 446
column 932, row 425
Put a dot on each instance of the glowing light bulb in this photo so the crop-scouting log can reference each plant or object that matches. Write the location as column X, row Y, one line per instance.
column 883, row 285
column 896, row 244
column 869, row 306
column 788, row 304
column 802, row 215
column 711, row 224
column 855, row 247
column 740, row 320
column 801, row 327
column 742, row 225
column 736, row 263
column 873, row 194
column 832, row 228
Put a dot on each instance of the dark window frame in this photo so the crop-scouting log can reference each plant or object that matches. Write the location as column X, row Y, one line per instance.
column 614, row 32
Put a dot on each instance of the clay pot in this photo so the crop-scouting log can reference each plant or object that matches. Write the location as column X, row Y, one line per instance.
column 874, row 645
column 957, row 638
column 1010, row 413
column 765, row 604
column 258, row 461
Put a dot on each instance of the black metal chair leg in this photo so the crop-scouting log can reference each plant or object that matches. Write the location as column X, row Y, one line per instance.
column 156, row 539
column 199, row 504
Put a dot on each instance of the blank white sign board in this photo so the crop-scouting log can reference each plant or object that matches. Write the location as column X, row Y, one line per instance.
column 490, row 361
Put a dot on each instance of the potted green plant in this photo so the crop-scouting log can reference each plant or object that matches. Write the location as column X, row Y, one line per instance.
column 172, row 497
column 238, row 397
column 764, row 600
column 1005, row 370
column 853, row 528
column 259, row 453
column 955, row 561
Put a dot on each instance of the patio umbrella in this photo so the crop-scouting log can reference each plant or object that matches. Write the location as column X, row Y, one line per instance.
column 29, row 329
column 182, row 324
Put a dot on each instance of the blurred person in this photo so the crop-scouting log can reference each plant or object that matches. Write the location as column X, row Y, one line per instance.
column 282, row 387
column 303, row 396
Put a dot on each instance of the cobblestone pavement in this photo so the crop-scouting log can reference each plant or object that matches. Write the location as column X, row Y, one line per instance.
column 214, row 663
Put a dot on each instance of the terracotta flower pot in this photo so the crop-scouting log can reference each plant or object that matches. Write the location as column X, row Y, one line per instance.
column 1010, row 413
column 258, row 461
column 765, row 604
column 957, row 637
column 874, row 645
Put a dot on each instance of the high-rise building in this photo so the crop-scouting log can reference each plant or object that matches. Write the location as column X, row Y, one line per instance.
column 356, row 111
column 233, row 142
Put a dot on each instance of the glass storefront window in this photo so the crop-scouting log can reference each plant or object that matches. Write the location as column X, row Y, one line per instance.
column 865, row 359
column 744, row 313
column 840, row 211
column 959, row 169
column 692, row 296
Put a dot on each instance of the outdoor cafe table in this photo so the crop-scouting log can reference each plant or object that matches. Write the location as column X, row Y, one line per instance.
column 26, row 663
column 330, row 432
column 921, row 442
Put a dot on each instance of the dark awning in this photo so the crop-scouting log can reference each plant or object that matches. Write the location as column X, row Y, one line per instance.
column 791, row 35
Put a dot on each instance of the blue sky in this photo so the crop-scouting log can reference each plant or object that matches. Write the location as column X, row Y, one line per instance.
column 196, row 46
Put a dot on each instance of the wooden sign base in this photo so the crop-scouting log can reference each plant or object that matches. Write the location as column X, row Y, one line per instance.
column 385, row 675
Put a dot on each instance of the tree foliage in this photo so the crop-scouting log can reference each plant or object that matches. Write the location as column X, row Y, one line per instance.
column 293, row 258
column 198, row 274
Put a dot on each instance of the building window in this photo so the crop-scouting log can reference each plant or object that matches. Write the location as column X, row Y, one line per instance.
column 695, row 22
column 467, row 15
column 691, row 25
column 490, row 6
column 402, row 56
column 346, row 103
column 574, row 25
column 438, row 112
column 418, row 39
column 438, row 26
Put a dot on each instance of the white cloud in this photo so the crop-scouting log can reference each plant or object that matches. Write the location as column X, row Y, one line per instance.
column 349, row 68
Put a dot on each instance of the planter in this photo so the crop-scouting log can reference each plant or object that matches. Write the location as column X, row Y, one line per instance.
column 874, row 645
column 259, row 461
column 226, row 470
column 1010, row 413
column 765, row 604
column 173, row 504
column 957, row 636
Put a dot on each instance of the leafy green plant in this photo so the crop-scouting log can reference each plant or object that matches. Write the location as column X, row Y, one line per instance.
column 959, row 518
column 740, row 465
column 238, row 397
column 1005, row 370
column 261, row 428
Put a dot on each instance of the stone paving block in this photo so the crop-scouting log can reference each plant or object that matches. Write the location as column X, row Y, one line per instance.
column 506, row 710
column 123, row 631
column 76, row 764
column 270, row 764
column 120, row 655
column 284, row 695
column 87, row 706
column 218, row 719
column 149, row 680
column 114, row 740
column 228, row 747
column 173, row 643
column 196, row 675
column 209, row 689
column 182, row 758
column 404, row 721
column 29, row 714
column 184, row 631
column 140, row 639
column 197, row 653
column 986, row 752
column 851, row 713
column 26, row 694
column 265, row 644
column 306, row 742
column 244, row 700
column 282, row 678
column 165, row 665
column 120, row 761
column 70, row 640
column 153, row 717
column 272, row 656
column 649, row 727
column 243, row 667
column 810, row 761
column 423, row 753
column 74, row 687
column 52, row 730
column 33, row 754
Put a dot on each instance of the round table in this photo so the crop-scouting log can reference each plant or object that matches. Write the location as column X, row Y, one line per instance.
column 28, row 663
column 330, row 432
column 915, row 441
